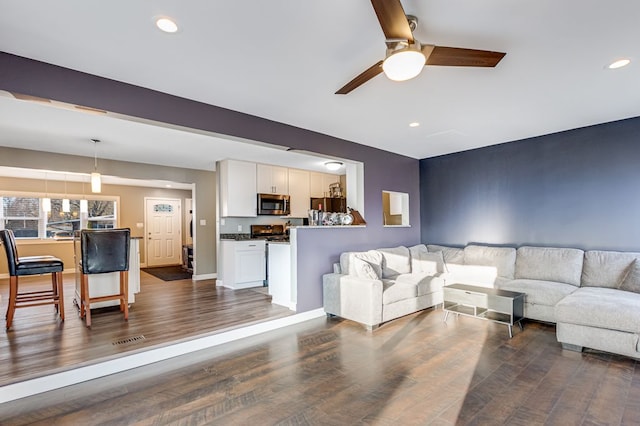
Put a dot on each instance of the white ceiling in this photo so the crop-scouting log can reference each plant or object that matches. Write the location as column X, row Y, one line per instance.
column 283, row 60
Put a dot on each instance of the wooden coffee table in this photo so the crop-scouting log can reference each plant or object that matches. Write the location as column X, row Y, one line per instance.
column 501, row 306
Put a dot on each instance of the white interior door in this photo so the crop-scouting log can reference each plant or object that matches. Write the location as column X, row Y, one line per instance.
column 163, row 224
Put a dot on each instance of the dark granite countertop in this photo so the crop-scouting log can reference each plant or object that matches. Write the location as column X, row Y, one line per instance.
column 236, row 237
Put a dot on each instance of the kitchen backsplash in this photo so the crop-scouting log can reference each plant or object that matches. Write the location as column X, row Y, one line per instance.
column 231, row 224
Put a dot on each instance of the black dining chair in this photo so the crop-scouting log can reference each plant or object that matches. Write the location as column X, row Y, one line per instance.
column 103, row 251
column 31, row 265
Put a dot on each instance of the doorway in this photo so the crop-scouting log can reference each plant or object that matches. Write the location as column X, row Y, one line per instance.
column 163, row 224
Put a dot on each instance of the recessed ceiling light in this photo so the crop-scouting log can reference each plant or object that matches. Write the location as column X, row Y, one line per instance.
column 619, row 64
column 414, row 124
column 167, row 25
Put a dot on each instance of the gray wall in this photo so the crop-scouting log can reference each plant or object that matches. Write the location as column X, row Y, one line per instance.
column 579, row 188
column 204, row 188
column 317, row 249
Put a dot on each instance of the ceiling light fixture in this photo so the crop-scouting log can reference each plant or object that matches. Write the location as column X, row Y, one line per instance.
column 414, row 124
column 619, row 64
column 404, row 61
column 96, row 180
column 167, row 25
column 333, row 165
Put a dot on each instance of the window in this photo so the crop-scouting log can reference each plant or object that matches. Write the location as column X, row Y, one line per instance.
column 24, row 215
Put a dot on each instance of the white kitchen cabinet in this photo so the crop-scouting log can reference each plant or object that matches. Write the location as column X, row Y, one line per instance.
column 237, row 188
column 299, row 191
column 243, row 264
column 319, row 183
column 272, row 179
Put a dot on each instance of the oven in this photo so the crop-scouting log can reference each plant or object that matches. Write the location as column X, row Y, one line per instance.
column 268, row 233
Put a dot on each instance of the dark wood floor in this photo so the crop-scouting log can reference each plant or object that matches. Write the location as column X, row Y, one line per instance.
column 416, row 370
column 39, row 343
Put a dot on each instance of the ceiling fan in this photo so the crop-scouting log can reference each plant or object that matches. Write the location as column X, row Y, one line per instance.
column 406, row 56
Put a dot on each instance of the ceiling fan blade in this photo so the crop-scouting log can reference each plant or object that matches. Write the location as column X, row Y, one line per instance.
column 361, row 79
column 392, row 19
column 458, row 57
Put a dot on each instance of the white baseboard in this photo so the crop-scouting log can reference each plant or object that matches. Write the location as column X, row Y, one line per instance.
column 201, row 277
column 82, row 374
column 287, row 304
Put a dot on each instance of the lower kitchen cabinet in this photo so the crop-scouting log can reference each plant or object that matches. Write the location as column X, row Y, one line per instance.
column 242, row 264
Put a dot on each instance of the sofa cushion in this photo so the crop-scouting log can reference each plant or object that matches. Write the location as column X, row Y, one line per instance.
column 606, row 268
column 602, row 308
column 425, row 283
column 503, row 259
column 549, row 264
column 540, row 292
column 424, row 262
column 483, row 276
column 394, row 291
column 395, row 261
column 373, row 257
column 631, row 281
column 450, row 254
column 363, row 269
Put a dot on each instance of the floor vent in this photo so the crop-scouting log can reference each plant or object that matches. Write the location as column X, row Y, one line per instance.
column 126, row 340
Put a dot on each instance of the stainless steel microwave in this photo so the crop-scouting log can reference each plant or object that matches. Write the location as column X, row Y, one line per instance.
column 274, row 204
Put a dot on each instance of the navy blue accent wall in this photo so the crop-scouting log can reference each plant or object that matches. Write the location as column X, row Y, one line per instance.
column 579, row 188
column 318, row 249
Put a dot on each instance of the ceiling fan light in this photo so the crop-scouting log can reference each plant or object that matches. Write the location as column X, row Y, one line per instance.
column 404, row 64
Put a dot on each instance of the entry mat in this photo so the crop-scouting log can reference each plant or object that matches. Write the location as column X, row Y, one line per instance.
column 169, row 273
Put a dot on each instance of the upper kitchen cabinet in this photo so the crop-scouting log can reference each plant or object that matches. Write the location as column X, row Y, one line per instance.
column 272, row 179
column 299, row 192
column 319, row 183
column 237, row 188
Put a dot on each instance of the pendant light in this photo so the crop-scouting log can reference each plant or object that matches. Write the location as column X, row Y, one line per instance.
column 96, row 180
column 84, row 205
column 46, row 201
column 66, row 205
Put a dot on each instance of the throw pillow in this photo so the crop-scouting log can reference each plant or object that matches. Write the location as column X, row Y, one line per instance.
column 364, row 269
column 429, row 263
column 373, row 258
column 632, row 281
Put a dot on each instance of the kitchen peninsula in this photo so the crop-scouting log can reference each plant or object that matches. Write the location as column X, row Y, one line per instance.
column 108, row 283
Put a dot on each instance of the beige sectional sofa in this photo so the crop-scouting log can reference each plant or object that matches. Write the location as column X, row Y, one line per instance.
column 592, row 296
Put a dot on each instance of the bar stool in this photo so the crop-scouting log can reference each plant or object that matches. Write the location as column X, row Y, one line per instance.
column 31, row 265
column 104, row 251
